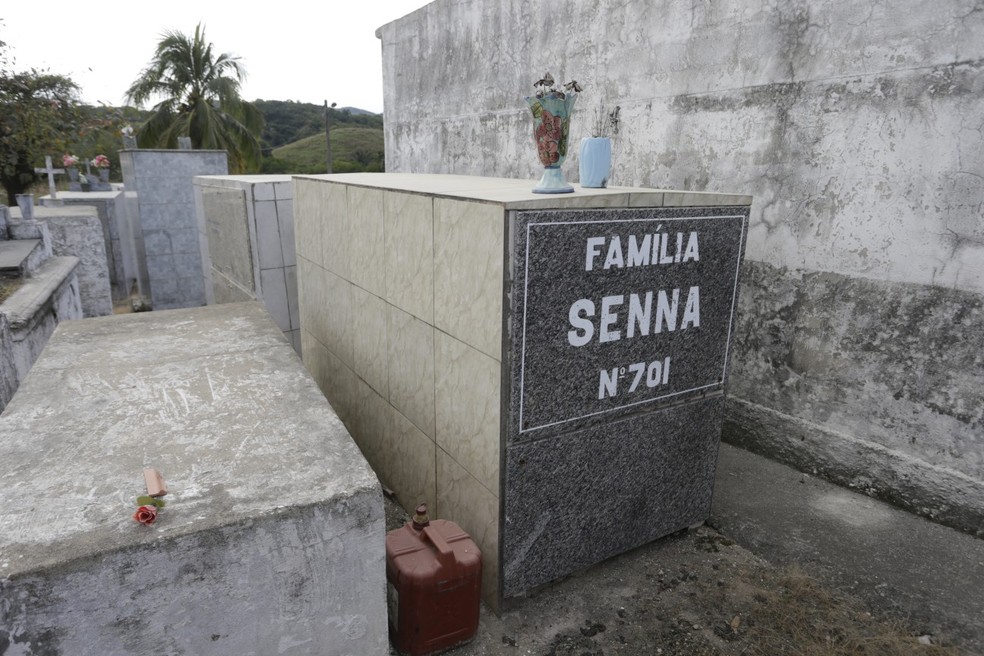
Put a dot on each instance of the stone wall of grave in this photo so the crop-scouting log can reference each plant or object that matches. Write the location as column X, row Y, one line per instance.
column 49, row 284
column 856, row 130
column 77, row 231
column 246, row 231
column 160, row 205
column 110, row 207
column 30, row 316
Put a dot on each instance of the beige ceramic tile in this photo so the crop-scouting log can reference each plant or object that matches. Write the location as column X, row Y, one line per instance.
column 365, row 239
column 467, row 398
column 646, row 199
column 367, row 323
column 334, row 315
column 371, row 425
column 703, row 199
column 340, row 387
column 315, row 360
column 468, row 269
column 310, row 297
column 307, row 227
column 409, row 235
column 408, row 464
column 581, row 199
column 402, row 456
column 411, row 368
column 336, row 381
column 424, row 183
column 333, row 216
column 466, row 502
column 308, row 278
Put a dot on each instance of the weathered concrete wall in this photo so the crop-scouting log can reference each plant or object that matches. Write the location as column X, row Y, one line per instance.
column 8, row 374
column 109, row 205
column 856, row 127
column 876, row 385
column 30, row 316
column 48, row 293
column 78, row 231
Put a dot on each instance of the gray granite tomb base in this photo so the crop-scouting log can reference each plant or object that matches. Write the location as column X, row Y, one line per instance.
column 613, row 421
column 580, row 498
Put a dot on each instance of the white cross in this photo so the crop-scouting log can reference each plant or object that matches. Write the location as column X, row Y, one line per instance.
column 51, row 174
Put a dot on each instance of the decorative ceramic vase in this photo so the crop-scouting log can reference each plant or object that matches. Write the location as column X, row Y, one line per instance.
column 595, row 161
column 551, row 129
column 104, row 175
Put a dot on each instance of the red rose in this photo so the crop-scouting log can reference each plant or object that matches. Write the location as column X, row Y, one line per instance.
column 146, row 514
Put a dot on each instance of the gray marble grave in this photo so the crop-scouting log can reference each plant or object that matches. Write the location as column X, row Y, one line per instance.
column 160, row 206
column 621, row 322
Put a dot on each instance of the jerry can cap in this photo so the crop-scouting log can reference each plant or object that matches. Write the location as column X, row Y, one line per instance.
column 420, row 519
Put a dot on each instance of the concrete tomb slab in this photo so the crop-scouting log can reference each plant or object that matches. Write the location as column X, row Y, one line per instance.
column 13, row 255
column 272, row 537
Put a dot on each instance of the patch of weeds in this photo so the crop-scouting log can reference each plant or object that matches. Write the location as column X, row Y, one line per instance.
column 712, row 543
column 796, row 614
column 8, row 287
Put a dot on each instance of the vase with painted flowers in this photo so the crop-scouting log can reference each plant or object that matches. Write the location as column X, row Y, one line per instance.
column 552, row 106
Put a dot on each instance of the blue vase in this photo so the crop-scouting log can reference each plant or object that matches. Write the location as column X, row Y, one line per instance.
column 595, row 162
column 551, row 129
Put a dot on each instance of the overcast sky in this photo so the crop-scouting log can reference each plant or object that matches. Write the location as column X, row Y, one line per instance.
column 292, row 50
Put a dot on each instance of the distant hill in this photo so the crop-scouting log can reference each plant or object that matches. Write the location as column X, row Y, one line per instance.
column 353, row 148
column 288, row 121
column 293, row 138
column 355, row 111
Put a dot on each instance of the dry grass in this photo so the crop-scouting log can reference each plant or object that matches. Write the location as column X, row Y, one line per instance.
column 785, row 611
column 8, row 287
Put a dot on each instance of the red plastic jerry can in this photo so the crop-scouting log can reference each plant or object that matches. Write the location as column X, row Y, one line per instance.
column 434, row 577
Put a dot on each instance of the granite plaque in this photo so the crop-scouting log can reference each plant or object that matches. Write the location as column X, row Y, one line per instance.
column 621, row 310
column 620, row 326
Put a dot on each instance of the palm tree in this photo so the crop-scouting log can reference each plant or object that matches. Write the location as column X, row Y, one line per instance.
column 200, row 99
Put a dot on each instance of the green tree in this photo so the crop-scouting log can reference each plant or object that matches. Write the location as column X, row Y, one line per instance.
column 200, row 99
column 38, row 111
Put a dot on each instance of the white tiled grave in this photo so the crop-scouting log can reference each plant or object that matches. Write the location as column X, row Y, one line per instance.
column 246, row 229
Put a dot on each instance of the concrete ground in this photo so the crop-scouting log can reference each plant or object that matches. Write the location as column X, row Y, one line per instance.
column 890, row 559
column 787, row 563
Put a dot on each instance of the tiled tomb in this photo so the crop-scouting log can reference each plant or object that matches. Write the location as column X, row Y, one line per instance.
column 246, row 232
column 446, row 320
